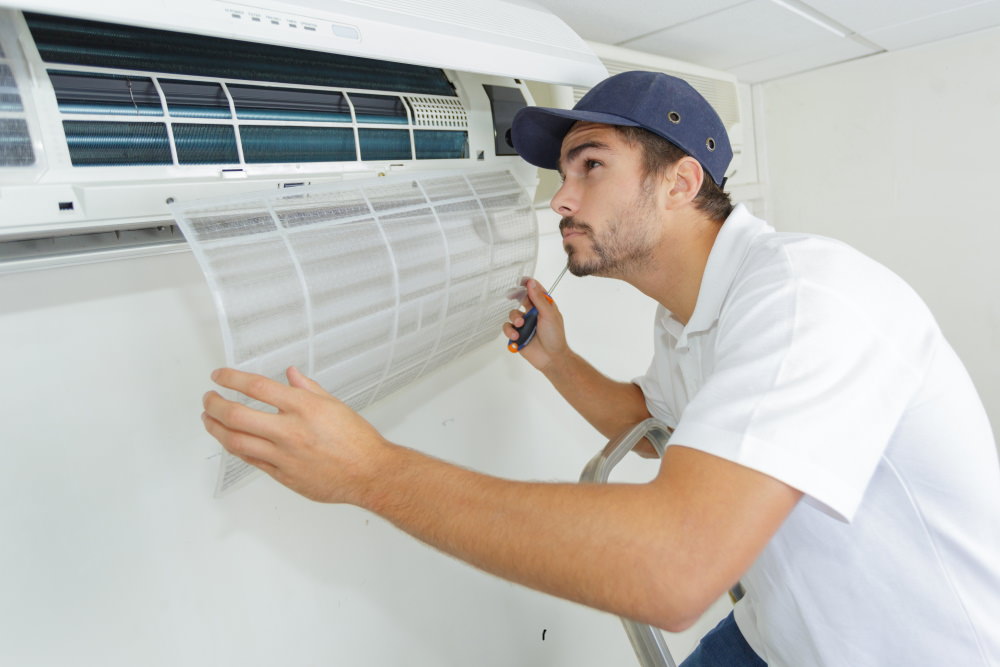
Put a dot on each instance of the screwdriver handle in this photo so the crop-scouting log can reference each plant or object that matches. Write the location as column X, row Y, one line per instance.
column 526, row 331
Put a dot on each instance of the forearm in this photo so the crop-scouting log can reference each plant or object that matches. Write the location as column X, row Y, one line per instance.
column 610, row 406
column 600, row 545
column 658, row 552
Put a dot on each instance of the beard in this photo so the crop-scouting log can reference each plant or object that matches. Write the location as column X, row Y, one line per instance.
column 623, row 247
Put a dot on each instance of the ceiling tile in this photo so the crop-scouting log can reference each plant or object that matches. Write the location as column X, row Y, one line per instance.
column 759, row 40
column 793, row 62
column 864, row 15
column 621, row 20
column 938, row 26
column 740, row 35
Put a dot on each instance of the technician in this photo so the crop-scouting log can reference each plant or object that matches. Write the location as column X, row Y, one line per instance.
column 829, row 449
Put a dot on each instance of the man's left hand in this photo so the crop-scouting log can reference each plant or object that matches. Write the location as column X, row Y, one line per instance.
column 314, row 445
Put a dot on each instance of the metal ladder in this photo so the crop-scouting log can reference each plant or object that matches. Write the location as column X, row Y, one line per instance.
column 647, row 641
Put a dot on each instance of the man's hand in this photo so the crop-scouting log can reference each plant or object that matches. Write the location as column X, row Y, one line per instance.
column 315, row 445
column 550, row 334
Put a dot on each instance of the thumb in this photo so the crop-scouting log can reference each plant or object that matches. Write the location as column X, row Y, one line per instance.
column 300, row 381
column 539, row 298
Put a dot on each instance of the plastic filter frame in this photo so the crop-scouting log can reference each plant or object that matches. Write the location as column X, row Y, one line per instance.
column 366, row 285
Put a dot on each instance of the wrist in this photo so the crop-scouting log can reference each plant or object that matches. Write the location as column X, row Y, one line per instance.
column 374, row 479
column 560, row 366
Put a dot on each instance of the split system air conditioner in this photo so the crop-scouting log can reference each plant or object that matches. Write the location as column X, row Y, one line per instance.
column 110, row 111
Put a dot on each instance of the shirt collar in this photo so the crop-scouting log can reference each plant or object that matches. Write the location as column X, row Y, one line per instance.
column 728, row 251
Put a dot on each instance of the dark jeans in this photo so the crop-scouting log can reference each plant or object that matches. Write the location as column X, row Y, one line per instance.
column 724, row 646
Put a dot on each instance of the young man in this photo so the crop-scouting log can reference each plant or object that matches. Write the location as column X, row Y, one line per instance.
column 829, row 448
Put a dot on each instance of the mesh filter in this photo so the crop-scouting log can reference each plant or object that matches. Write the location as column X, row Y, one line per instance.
column 15, row 140
column 366, row 286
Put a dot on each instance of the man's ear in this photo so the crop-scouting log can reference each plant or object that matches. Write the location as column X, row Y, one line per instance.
column 686, row 177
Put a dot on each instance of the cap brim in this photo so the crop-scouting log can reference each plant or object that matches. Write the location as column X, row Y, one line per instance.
column 537, row 132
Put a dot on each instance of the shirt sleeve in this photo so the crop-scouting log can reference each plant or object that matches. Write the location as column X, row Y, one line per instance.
column 804, row 389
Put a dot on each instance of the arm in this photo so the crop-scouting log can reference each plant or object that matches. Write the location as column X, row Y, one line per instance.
column 659, row 552
column 611, row 407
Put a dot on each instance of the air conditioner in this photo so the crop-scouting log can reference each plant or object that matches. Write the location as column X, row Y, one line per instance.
column 111, row 110
column 340, row 169
column 718, row 87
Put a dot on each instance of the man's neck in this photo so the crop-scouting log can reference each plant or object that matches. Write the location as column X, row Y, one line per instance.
column 673, row 275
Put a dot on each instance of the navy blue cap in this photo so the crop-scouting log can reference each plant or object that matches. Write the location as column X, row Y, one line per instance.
column 663, row 104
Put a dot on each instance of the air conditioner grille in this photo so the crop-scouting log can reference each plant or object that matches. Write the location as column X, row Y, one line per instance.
column 15, row 140
column 437, row 112
column 125, row 98
column 15, row 143
column 90, row 43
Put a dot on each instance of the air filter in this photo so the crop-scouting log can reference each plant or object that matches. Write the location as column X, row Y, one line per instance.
column 366, row 285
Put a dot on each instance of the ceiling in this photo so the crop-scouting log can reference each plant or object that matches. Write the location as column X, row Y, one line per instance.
column 760, row 40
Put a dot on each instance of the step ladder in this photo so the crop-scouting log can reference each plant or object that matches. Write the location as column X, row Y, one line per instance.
column 647, row 641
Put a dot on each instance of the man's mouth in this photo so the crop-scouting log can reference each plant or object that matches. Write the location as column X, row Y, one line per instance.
column 568, row 229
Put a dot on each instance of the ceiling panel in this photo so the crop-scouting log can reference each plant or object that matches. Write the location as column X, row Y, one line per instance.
column 760, row 40
column 615, row 22
column 865, row 15
column 938, row 26
column 740, row 35
column 792, row 62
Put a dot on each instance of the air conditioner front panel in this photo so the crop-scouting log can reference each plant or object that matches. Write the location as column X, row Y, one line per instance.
column 90, row 145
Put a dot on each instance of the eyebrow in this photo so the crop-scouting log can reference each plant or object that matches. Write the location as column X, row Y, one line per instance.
column 572, row 153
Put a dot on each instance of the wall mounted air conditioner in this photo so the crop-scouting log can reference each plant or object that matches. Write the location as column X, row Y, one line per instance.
column 719, row 88
column 110, row 111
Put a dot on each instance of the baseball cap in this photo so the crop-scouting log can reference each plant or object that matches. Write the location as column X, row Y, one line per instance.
column 665, row 105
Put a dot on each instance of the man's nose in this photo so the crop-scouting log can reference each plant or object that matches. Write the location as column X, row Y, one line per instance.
column 565, row 202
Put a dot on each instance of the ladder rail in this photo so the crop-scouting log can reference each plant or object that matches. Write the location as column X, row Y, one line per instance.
column 647, row 642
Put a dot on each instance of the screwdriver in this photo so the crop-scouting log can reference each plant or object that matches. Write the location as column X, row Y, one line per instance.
column 527, row 330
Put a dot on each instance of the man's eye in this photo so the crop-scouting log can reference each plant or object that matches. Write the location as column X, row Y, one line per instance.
column 590, row 164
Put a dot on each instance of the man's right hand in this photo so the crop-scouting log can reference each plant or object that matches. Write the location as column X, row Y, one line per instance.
column 549, row 342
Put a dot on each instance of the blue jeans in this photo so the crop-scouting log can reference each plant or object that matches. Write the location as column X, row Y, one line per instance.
column 724, row 646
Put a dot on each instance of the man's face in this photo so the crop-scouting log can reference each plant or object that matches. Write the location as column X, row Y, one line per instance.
column 609, row 217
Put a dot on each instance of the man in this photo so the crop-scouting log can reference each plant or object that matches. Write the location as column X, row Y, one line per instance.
column 829, row 448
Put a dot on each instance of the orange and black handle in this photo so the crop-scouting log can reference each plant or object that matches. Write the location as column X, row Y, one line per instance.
column 526, row 332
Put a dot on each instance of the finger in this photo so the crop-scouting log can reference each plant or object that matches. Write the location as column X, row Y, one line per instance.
column 248, row 447
column 242, row 418
column 297, row 379
column 525, row 297
column 539, row 298
column 535, row 293
column 510, row 332
column 516, row 317
column 261, row 465
column 262, row 388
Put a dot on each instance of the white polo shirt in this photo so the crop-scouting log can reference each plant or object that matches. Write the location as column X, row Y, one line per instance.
column 809, row 362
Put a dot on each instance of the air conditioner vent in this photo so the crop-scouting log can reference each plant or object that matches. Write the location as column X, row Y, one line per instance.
column 253, row 120
column 437, row 112
column 73, row 41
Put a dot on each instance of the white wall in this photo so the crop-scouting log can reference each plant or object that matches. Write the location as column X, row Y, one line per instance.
column 899, row 155
column 113, row 552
